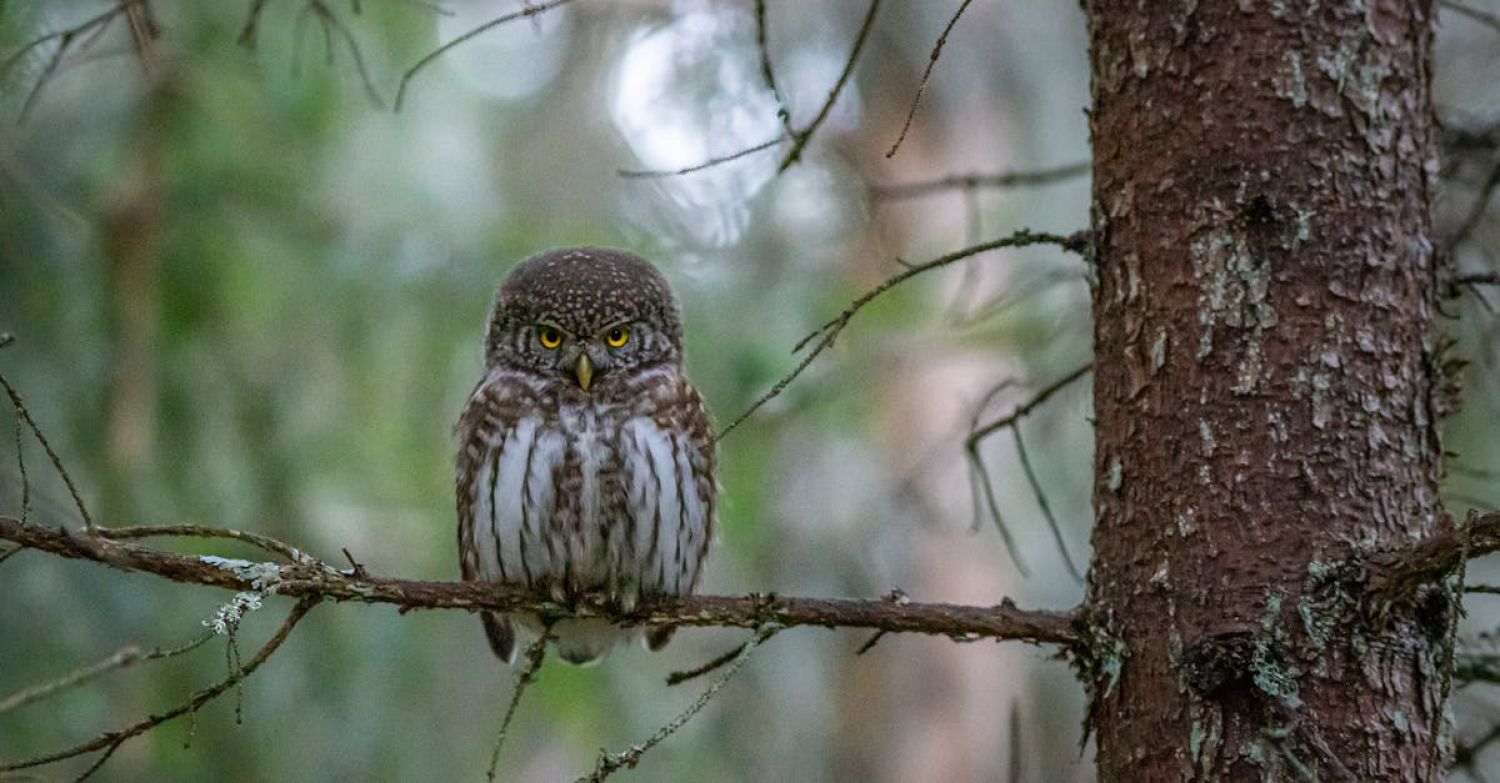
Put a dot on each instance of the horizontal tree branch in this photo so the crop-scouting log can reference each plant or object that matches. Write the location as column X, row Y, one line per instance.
column 1400, row 571
column 309, row 580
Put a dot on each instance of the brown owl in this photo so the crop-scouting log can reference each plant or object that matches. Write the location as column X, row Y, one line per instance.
column 586, row 460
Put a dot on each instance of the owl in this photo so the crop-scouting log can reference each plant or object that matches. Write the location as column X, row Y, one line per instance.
column 586, row 460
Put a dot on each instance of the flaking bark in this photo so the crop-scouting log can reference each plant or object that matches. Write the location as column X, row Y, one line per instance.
column 1264, row 390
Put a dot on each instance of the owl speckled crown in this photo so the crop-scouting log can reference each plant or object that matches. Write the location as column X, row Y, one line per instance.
column 586, row 289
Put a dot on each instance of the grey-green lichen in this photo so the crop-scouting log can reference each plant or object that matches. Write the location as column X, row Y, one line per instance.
column 1232, row 293
column 1116, row 474
column 1289, row 82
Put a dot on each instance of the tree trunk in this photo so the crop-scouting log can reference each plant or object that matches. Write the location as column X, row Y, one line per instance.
column 1265, row 393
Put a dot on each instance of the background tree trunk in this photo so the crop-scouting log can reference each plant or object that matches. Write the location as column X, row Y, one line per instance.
column 1265, row 391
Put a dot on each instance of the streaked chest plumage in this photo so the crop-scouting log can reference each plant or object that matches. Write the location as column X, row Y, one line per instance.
column 569, row 495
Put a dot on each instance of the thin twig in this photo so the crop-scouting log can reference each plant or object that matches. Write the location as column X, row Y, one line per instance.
column 1483, row 17
column 124, row 658
column 937, row 51
column 826, row 334
column 1024, row 409
column 535, row 653
column 1480, row 205
column 711, row 162
column 331, row 21
column 765, row 68
column 251, row 27
column 1041, row 501
column 527, row 11
column 800, row 140
column 717, row 662
column 980, row 472
column 972, row 182
column 113, row 739
column 609, row 763
column 20, row 407
column 267, row 543
column 65, row 39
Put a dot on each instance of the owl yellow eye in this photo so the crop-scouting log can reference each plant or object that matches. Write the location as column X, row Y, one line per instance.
column 549, row 337
column 617, row 336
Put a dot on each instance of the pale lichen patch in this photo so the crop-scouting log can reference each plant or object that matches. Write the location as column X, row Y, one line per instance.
column 1233, row 288
column 1289, row 81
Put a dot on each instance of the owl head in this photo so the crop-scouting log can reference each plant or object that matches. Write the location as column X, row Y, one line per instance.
column 587, row 316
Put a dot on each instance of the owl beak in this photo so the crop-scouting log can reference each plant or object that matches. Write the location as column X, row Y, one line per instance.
column 585, row 371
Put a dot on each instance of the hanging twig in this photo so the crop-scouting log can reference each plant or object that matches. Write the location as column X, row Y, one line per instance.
column 800, row 140
column 937, row 51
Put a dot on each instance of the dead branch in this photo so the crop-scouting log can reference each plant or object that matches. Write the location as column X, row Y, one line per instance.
column 112, row 740
column 799, row 138
column 937, row 51
column 782, row 111
column 84, row 33
column 527, row 11
column 609, row 763
column 826, row 334
column 980, row 473
column 972, row 182
column 301, row 580
column 1398, row 572
column 1483, row 17
column 525, row 675
column 124, row 658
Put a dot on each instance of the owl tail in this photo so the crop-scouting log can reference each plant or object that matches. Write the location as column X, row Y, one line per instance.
column 502, row 635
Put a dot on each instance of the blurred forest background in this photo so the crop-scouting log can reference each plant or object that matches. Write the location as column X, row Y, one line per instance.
column 248, row 294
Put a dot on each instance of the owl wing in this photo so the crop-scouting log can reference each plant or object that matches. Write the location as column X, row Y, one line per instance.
column 670, row 480
column 504, row 493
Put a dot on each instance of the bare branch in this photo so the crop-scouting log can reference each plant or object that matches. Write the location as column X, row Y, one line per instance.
column 291, row 553
column 111, row 740
column 1483, row 17
column 1400, row 571
column 87, row 30
column 765, row 68
column 527, row 11
column 1480, row 205
column 20, row 408
column 980, row 472
column 800, row 140
column 826, row 334
column 972, row 182
column 1004, row 621
column 1041, row 501
column 611, row 762
column 331, row 21
column 937, row 51
column 714, row 664
column 710, row 163
column 524, row 677
column 126, row 657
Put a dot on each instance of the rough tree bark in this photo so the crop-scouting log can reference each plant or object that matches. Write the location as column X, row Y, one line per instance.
column 1267, row 391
